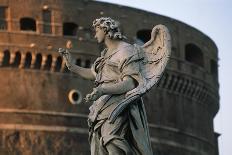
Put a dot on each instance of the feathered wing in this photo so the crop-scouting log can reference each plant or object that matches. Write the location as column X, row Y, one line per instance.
column 157, row 52
column 154, row 57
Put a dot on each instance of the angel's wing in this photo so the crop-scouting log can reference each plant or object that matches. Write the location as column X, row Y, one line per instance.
column 155, row 54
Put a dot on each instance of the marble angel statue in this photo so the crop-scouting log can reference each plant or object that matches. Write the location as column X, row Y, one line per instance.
column 122, row 74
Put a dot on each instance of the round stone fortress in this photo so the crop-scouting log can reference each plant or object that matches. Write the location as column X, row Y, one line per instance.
column 41, row 103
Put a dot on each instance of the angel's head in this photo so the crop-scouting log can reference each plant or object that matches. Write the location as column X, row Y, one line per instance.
column 107, row 27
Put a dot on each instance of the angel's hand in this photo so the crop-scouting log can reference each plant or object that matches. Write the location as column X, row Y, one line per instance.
column 61, row 51
column 66, row 56
column 96, row 94
column 64, row 52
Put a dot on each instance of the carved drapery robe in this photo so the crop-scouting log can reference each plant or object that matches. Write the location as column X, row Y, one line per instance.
column 129, row 132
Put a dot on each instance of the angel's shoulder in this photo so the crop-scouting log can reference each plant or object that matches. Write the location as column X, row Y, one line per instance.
column 127, row 51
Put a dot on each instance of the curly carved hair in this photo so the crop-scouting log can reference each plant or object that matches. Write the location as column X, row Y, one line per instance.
column 110, row 26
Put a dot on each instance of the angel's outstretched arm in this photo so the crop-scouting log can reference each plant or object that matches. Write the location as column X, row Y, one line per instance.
column 83, row 72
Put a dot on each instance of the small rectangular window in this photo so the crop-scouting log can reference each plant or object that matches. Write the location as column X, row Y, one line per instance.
column 47, row 28
column 3, row 18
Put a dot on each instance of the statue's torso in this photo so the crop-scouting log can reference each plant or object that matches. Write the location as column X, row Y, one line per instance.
column 109, row 70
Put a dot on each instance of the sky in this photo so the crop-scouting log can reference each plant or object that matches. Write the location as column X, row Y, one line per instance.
column 213, row 18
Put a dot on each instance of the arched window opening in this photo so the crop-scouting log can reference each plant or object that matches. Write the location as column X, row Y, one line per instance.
column 6, row 58
column 27, row 63
column 87, row 64
column 194, row 55
column 58, row 64
column 78, row 62
column 38, row 61
column 214, row 68
column 27, row 24
column 70, row 29
column 48, row 63
column 3, row 18
column 47, row 14
column 143, row 36
column 17, row 59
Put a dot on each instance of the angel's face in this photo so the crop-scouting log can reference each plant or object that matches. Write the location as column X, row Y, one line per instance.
column 100, row 35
